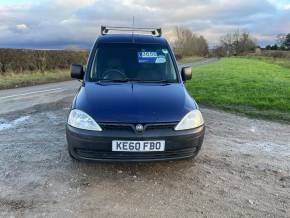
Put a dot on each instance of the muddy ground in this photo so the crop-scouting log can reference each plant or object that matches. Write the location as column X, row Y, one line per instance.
column 243, row 170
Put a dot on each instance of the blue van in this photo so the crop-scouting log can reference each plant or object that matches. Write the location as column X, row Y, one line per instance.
column 132, row 104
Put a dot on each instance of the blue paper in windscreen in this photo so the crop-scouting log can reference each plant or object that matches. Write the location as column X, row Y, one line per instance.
column 151, row 57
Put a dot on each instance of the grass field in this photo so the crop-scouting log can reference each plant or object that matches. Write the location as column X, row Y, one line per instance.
column 284, row 62
column 254, row 87
column 12, row 80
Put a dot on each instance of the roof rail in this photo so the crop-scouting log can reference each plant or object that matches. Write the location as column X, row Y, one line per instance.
column 154, row 31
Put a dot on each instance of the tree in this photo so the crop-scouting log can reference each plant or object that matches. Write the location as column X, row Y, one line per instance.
column 286, row 42
column 274, row 47
column 218, row 51
column 280, row 39
column 283, row 41
column 237, row 43
column 188, row 43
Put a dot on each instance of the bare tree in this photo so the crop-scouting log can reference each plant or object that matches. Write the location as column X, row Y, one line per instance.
column 237, row 43
column 280, row 39
column 228, row 44
column 189, row 44
column 283, row 41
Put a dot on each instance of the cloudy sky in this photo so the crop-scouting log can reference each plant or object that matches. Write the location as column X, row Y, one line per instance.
column 65, row 23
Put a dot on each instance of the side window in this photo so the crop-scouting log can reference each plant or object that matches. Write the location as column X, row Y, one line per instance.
column 93, row 73
column 170, row 70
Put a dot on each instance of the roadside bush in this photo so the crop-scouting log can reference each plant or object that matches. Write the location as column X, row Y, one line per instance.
column 276, row 54
column 21, row 60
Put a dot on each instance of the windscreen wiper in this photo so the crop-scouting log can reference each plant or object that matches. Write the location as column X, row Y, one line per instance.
column 151, row 81
column 165, row 81
column 113, row 80
column 158, row 81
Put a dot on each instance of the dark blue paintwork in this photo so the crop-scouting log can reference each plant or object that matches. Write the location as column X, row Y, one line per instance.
column 133, row 102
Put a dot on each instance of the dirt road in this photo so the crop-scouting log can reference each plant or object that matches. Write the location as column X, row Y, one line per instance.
column 243, row 170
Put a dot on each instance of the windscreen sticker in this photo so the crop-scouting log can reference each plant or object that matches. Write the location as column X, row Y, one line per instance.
column 160, row 60
column 165, row 51
column 151, row 57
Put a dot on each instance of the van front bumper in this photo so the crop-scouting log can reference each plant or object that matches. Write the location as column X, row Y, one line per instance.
column 97, row 146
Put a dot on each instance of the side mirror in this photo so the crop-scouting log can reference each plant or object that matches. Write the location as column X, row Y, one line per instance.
column 186, row 73
column 77, row 71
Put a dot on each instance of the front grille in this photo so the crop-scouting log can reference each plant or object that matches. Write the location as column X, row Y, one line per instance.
column 132, row 127
column 110, row 126
column 161, row 126
column 91, row 154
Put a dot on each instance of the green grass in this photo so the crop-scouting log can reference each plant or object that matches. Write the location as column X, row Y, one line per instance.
column 12, row 80
column 249, row 86
column 190, row 59
column 284, row 62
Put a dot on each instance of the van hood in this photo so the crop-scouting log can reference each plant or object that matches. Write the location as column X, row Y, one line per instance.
column 134, row 102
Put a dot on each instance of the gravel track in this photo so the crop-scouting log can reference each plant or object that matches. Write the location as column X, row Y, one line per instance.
column 243, row 170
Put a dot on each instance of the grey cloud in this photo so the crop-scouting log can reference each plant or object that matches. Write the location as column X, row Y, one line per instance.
column 170, row 4
column 52, row 24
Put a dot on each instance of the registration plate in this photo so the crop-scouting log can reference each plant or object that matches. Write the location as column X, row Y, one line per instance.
column 138, row 146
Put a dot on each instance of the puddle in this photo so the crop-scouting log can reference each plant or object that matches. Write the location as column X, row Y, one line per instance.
column 12, row 124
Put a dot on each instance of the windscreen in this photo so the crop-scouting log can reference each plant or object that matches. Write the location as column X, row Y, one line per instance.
column 133, row 62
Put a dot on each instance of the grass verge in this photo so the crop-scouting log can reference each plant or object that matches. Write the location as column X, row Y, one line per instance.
column 12, row 80
column 249, row 86
column 284, row 62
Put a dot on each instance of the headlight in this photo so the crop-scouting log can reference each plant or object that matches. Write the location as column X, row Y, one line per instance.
column 81, row 120
column 190, row 121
